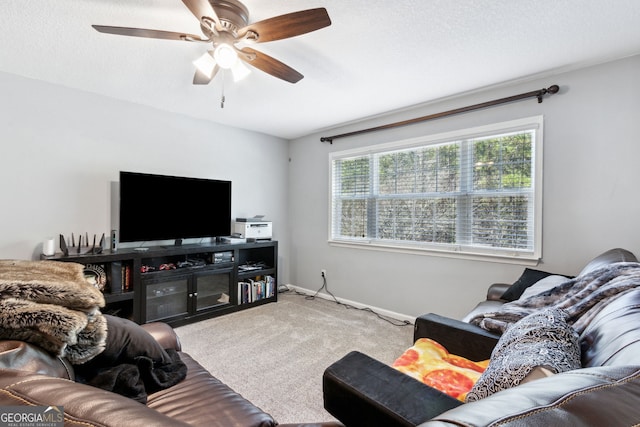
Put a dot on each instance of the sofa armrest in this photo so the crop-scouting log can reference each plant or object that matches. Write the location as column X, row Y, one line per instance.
column 361, row 391
column 495, row 291
column 164, row 334
column 83, row 405
column 459, row 338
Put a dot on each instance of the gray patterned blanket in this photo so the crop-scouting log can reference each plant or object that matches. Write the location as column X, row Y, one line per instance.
column 582, row 298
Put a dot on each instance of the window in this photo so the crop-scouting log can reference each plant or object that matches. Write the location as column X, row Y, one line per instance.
column 475, row 192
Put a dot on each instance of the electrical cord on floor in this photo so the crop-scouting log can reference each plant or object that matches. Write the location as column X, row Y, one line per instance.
column 394, row 322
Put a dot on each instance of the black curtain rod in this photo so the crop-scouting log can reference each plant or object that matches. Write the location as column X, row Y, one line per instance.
column 537, row 93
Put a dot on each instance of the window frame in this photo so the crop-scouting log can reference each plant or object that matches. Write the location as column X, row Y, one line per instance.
column 531, row 257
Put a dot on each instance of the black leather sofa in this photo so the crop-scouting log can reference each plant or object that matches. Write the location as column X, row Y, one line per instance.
column 361, row 391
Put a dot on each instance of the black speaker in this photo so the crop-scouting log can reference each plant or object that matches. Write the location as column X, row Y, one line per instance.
column 114, row 240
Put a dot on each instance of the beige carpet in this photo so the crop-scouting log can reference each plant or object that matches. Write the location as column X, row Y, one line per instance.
column 275, row 354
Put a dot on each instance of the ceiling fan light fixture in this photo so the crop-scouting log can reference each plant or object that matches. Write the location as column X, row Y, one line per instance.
column 239, row 71
column 205, row 64
column 225, row 55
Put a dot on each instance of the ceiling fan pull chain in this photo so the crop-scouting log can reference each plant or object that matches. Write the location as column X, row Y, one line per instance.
column 224, row 78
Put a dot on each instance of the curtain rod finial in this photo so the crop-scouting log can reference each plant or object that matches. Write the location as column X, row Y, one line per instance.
column 550, row 90
column 326, row 139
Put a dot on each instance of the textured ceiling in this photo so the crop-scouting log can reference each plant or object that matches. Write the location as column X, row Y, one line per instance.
column 377, row 56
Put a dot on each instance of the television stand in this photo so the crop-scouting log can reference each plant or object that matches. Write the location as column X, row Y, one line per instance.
column 154, row 285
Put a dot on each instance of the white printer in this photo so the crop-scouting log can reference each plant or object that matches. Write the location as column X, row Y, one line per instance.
column 253, row 228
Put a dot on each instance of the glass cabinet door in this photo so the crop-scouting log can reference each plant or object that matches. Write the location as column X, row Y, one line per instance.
column 212, row 289
column 167, row 298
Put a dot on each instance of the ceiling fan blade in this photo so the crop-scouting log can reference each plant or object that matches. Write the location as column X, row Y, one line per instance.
column 288, row 25
column 200, row 78
column 153, row 34
column 269, row 65
column 201, row 8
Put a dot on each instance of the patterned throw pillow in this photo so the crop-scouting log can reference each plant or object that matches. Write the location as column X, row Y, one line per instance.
column 542, row 339
column 431, row 363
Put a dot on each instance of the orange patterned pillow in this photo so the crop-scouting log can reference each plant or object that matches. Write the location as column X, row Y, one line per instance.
column 431, row 363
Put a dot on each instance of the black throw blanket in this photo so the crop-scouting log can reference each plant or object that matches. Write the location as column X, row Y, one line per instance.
column 133, row 363
column 138, row 379
column 582, row 298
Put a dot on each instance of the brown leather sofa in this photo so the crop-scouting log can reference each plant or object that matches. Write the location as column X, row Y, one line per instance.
column 31, row 376
column 361, row 391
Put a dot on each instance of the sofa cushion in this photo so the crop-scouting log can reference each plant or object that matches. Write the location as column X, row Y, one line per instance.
column 483, row 307
column 203, row 400
column 528, row 277
column 612, row 337
column 540, row 339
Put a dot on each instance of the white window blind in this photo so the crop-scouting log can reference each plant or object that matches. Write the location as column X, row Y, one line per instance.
column 476, row 191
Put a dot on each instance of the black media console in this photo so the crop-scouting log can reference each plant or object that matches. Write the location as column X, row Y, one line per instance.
column 183, row 284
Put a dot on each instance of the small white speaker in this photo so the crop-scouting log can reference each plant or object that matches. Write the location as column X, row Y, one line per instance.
column 114, row 240
column 49, row 247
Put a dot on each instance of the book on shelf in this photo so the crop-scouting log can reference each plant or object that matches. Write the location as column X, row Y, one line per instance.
column 252, row 290
column 126, row 278
column 119, row 277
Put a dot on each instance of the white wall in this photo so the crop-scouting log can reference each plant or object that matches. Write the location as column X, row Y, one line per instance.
column 61, row 149
column 591, row 177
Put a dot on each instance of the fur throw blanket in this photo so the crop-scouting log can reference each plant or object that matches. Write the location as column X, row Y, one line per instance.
column 582, row 298
column 51, row 304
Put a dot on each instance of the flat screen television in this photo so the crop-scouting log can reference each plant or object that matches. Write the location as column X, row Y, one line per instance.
column 162, row 207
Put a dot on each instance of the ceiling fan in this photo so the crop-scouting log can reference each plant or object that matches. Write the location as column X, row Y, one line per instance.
column 225, row 24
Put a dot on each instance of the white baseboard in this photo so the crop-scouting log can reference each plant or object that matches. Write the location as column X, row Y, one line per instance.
column 380, row 311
